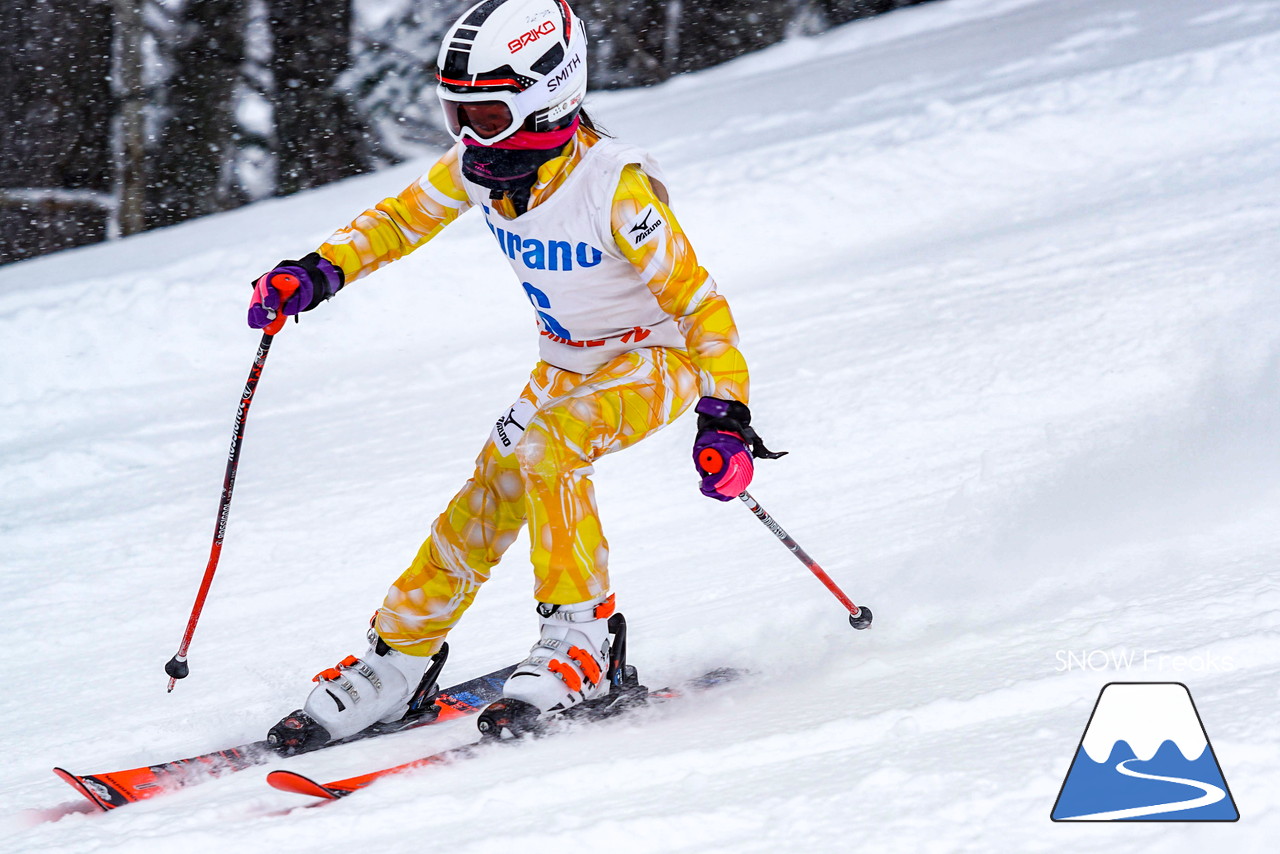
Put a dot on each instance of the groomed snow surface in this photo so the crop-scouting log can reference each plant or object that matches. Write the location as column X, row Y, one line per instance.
column 1006, row 275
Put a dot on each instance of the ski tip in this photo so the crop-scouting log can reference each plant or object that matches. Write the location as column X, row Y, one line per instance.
column 76, row 783
column 289, row 781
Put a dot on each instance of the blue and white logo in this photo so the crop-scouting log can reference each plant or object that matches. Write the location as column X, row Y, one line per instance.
column 1145, row 756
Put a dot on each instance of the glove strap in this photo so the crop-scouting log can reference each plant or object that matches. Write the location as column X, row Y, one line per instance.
column 758, row 450
column 326, row 278
column 734, row 416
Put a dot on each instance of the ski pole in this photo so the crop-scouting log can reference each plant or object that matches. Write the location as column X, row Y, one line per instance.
column 177, row 667
column 859, row 617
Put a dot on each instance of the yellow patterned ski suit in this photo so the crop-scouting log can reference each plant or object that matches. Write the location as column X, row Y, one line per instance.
column 572, row 418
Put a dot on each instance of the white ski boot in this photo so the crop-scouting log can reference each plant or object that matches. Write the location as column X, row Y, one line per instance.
column 579, row 659
column 382, row 687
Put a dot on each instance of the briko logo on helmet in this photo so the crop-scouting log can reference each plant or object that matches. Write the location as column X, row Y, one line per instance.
column 516, row 45
column 512, row 65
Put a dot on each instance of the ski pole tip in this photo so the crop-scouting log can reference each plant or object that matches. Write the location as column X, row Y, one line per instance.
column 177, row 668
column 862, row 619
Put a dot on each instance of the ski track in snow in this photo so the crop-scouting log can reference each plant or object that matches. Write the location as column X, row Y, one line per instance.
column 1005, row 272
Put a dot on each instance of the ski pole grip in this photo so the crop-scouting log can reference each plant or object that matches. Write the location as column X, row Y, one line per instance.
column 286, row 284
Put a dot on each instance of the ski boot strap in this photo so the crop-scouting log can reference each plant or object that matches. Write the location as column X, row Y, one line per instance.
column 583, row 612
column 334, row 676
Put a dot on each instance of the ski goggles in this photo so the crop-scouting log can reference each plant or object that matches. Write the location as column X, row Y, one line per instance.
column 487, row 121
column 492, row 115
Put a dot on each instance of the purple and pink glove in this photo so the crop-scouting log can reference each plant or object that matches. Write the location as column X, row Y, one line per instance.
column 721, row 452
column 291, row 288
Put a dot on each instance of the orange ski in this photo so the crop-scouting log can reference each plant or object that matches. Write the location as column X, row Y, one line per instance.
column 113, row 789
column 117, row 788
column 289, row 781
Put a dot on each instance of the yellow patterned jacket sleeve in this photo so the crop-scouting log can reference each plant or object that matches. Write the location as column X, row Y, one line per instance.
column 683, row 288
column 400, row 224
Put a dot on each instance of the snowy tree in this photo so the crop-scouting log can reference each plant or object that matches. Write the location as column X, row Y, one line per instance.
column 188, row 164
column 120, row 115
column 392, row 79
column 228, row 56
column 641, row 42
column 319, row 135
column 56, row 176
column 840, row 11
column 717, row 32
column 131, row 135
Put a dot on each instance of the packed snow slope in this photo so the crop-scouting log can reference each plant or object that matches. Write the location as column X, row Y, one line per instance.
column 1006, row 275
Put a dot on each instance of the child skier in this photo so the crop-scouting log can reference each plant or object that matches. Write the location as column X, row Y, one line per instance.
column 632, row 333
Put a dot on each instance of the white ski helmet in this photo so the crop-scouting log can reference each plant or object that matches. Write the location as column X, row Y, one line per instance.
column 511, row 64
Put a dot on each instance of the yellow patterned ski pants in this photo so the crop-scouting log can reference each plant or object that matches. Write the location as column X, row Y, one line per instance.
column 543, row 479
